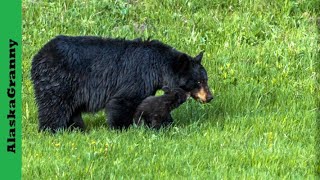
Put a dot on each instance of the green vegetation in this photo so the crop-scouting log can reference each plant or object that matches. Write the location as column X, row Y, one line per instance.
column 261, row 58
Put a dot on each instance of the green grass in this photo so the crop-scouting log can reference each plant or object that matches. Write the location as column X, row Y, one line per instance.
column 261, row 58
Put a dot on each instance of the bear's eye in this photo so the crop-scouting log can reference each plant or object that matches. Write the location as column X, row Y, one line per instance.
column 199, row 82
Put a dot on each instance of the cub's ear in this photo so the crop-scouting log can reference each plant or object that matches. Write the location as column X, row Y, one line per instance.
column 166, row 89
column 198, row 58
column 182, row 63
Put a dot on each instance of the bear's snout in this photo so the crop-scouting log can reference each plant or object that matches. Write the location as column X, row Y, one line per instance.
column 203, row 94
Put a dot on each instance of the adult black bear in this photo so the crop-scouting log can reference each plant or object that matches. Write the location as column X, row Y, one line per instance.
column 155, row 111
column 72, row 75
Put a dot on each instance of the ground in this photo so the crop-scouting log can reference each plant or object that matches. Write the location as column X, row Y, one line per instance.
column 261, row 60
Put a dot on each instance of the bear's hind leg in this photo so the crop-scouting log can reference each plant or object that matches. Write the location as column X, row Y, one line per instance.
column 54, row 118
column 76, row 122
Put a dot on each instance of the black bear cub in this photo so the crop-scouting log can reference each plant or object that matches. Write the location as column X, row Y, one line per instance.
column 154, row 111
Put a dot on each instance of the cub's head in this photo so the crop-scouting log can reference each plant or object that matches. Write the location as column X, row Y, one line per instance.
column 192, row 77
column 180, row 95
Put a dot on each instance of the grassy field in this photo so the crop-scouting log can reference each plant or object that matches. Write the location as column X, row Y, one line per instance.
column 261, row 58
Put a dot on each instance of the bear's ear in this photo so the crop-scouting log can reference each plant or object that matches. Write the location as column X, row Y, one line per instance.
column 181, row 64
column 198, row 58
column 166, row 89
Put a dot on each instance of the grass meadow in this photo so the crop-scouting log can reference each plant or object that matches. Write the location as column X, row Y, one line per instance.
column 261, row 59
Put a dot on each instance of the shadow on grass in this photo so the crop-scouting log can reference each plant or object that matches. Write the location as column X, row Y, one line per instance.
column 95, row 121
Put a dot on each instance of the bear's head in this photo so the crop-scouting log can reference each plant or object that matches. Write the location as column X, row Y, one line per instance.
column 192, row 77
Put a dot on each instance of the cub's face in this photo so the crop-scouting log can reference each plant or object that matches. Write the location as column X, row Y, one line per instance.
column 179, row 94
column 194, row 79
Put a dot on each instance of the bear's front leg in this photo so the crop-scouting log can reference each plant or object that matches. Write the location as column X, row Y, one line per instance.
column 120, row 113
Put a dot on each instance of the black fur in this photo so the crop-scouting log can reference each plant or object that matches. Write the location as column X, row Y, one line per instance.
column 72, row 75
column 154, row 111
